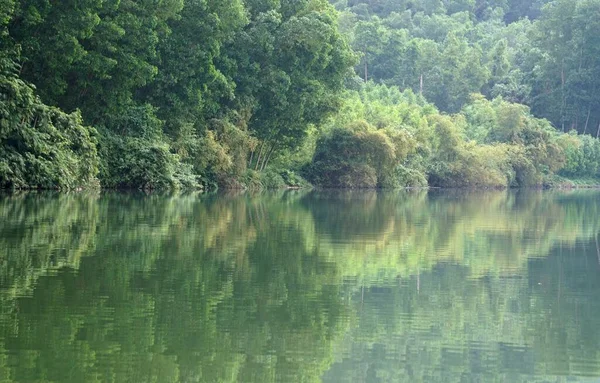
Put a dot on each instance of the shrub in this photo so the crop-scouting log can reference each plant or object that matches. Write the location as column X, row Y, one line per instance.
column 358, row 156
column 41, row 146
column 294, row 180
column 410, row 178
column 142, row 163
column 270, row 179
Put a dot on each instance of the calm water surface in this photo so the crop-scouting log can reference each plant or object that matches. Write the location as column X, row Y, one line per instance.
column 300, row 287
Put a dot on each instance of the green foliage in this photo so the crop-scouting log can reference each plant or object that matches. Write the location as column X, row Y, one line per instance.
column 249, row 180
column 348, row 158
column 272, row 180
column 582, row 155
column 459, row 163
column 6, row 12
column 294, row 180
column 408, row 178
column 135, row 155
column 182, row 90
column 142, row 163
column 384, row 138
column 531, row 145
column 41, row 146
column 290, row 68
column 567, row 68
column 245, row 93
column 360, row 156
column 187, row 64
column 93, row 55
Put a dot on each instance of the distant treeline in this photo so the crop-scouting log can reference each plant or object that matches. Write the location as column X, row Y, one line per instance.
column 267, row 93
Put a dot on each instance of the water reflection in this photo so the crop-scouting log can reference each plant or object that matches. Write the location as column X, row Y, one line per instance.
column 296, row 286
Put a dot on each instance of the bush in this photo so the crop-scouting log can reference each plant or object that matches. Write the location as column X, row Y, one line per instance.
column 475, row 166
column 410, row 178
column 582, row 155
column 358, row 176
column 358, row 156
column 143, row 164
column 270, row 179
column 41, row 146
column 294, row 180
column 135, row 154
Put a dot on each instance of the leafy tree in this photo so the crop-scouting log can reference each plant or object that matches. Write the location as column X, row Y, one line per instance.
column 41, row 146
column 518, row 9
column 91, row 55
column 566, row 82
column 354, row 157
column 301, row 61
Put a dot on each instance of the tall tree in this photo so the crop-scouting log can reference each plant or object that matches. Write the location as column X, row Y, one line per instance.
column 567, row 83
column 290, row 68
column 90, row 54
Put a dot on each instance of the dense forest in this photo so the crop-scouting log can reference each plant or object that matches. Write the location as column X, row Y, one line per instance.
column 267, row 93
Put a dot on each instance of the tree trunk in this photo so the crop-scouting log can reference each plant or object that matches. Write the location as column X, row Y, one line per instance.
column 251, row 158
column 266, row 163
column 366, row 69
column 597, row 248
column 266, row 157
column 421, row 84
column 598, row 133
column 259, row 156
column 261, row 166
column 562, row 95
column 587, row 120
column 264, row 160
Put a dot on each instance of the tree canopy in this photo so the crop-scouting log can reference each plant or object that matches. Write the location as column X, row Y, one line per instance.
column 201, row 93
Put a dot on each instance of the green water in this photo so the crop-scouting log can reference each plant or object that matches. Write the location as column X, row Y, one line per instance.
column 300, row 287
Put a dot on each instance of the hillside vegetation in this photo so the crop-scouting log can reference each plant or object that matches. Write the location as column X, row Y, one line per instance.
column 268, row 93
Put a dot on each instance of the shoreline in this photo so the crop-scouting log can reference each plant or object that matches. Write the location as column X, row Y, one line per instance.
column 298, row 188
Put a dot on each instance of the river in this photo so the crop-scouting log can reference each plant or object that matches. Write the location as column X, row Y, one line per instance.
column 295, row 286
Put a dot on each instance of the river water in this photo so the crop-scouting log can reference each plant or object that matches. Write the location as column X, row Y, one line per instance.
column 438, row 286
